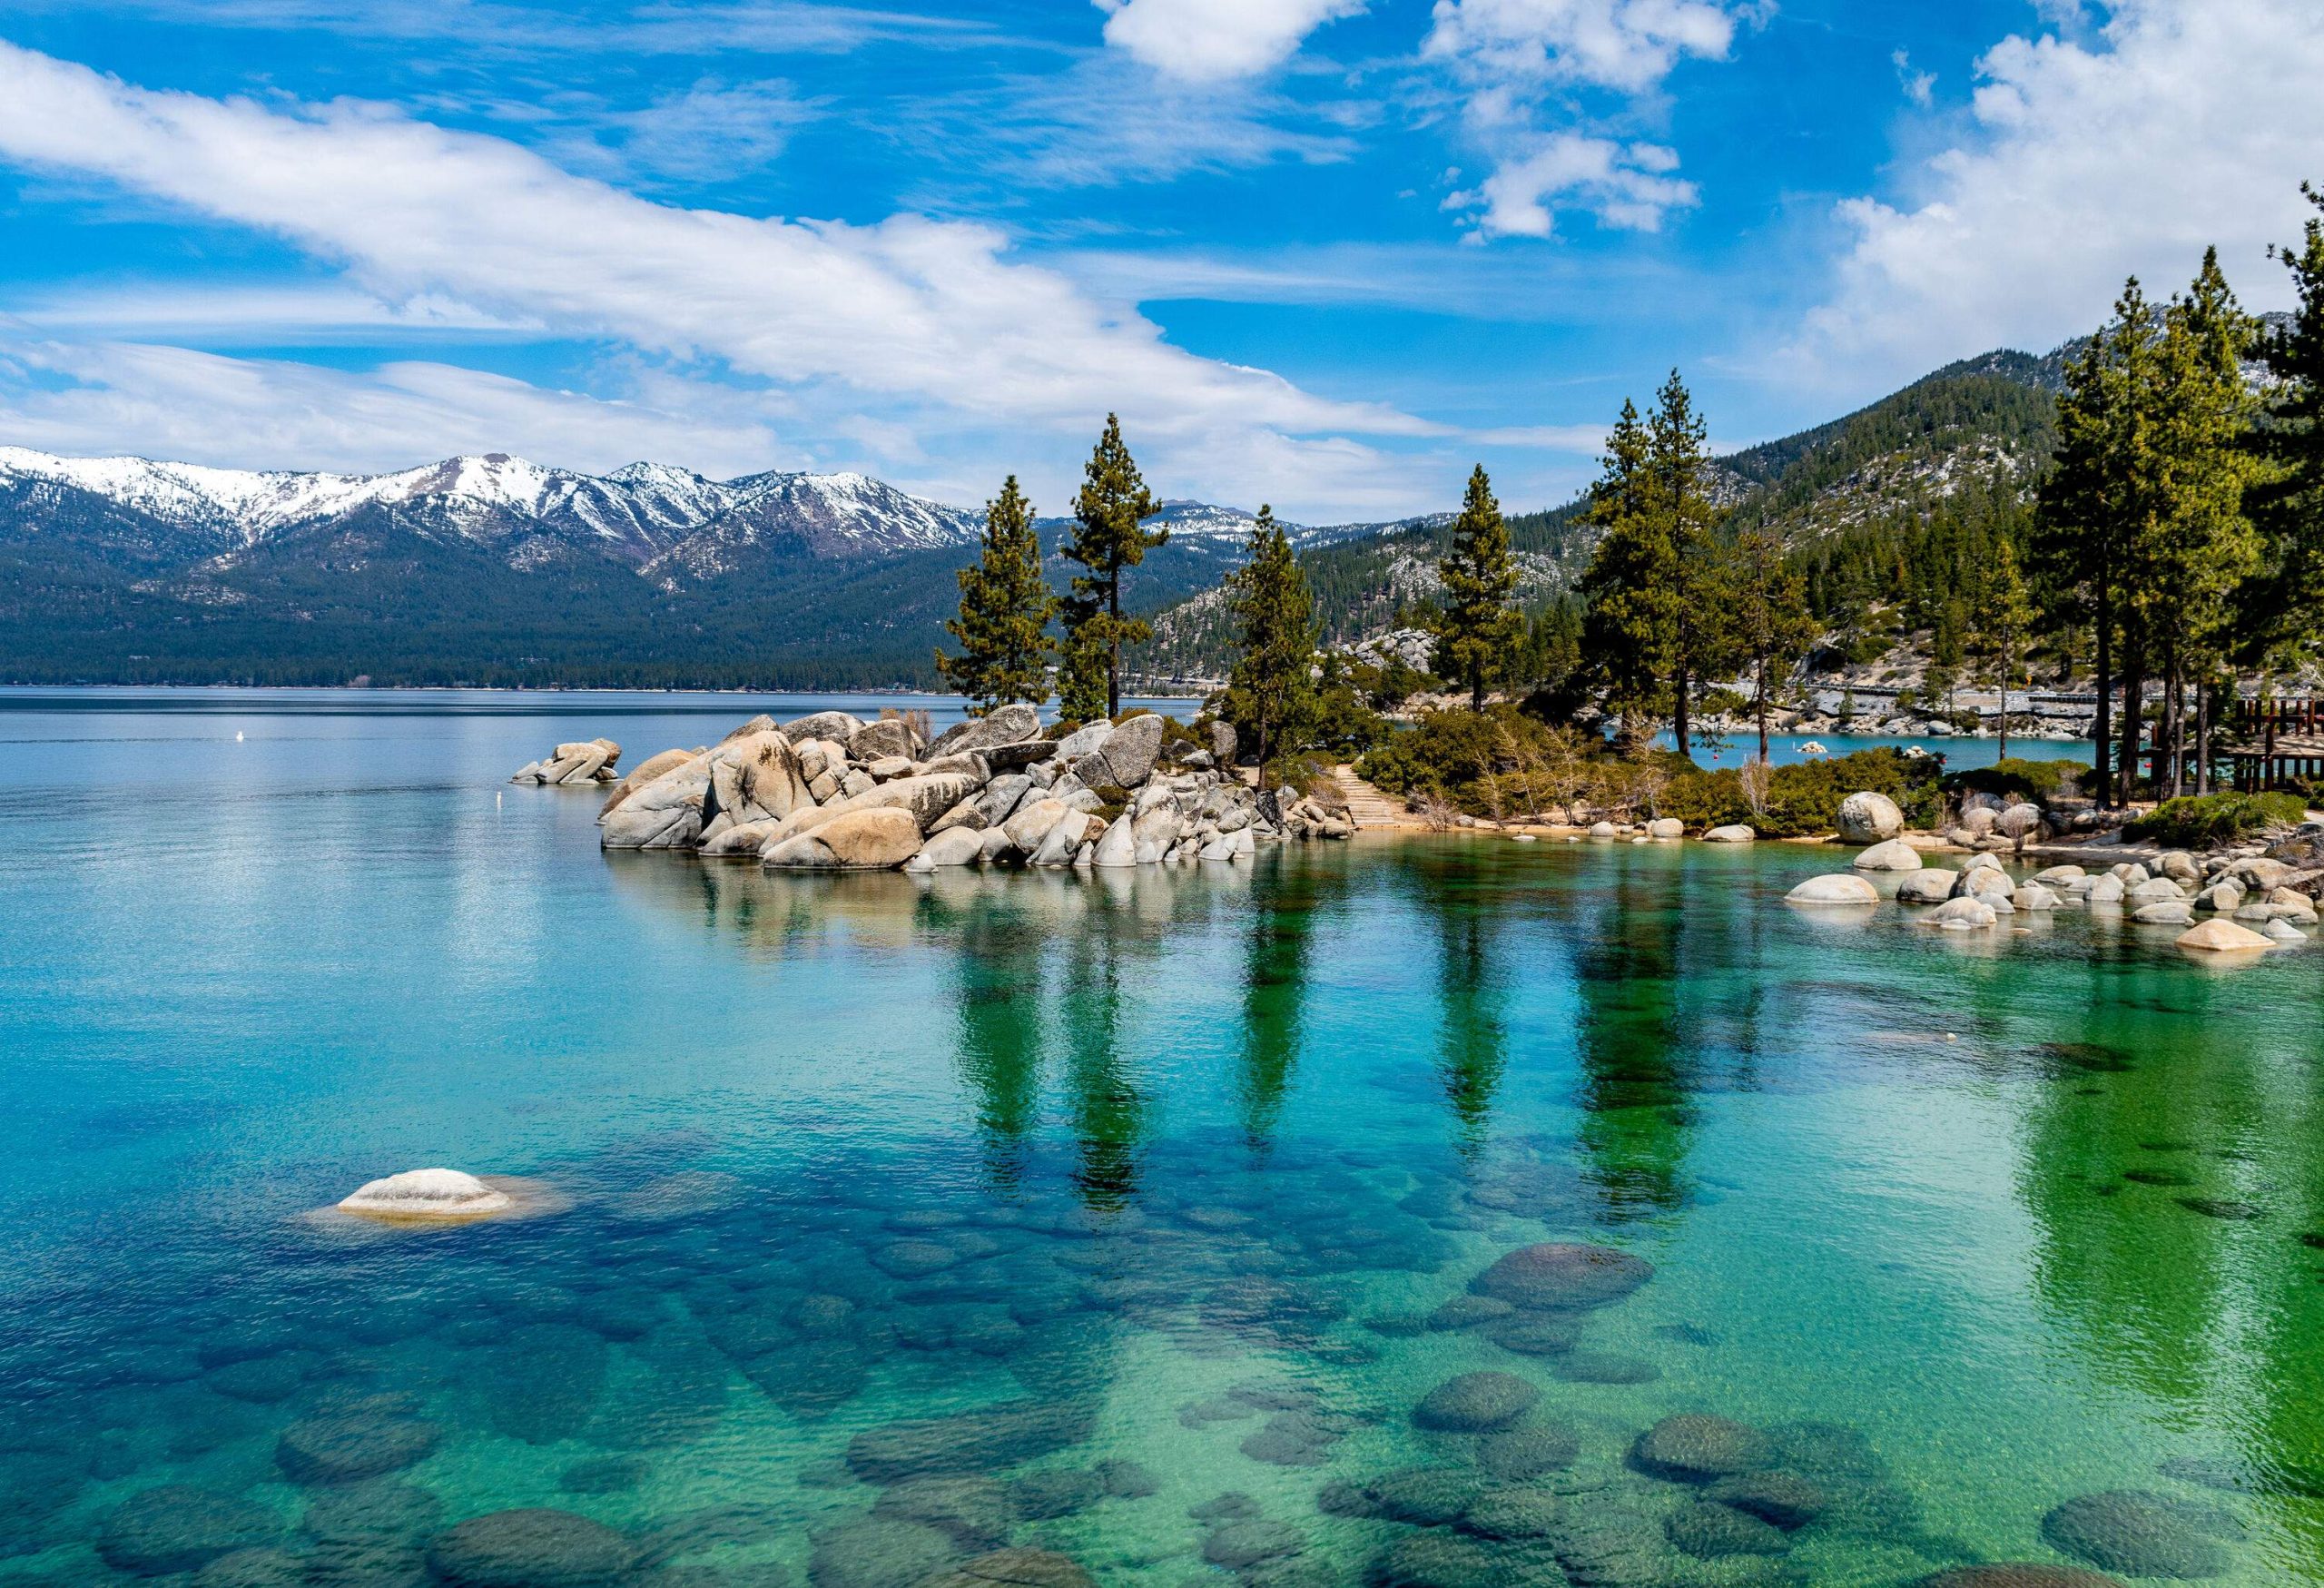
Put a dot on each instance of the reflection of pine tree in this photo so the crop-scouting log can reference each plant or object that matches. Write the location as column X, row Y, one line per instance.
column 1474, row 1038
column 1108, row 1107
column 1275, row 985
column 1636, row 1069
column 1000, row 1034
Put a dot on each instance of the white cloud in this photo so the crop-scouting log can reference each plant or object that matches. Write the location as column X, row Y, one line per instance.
column 265, row 315
column 712, row 132
column 1587, row 440
column 2178, row 125
column 174, row 403
column 1920, row 87
column 1211, row 40
column 1626, row 45
column 926, row 322
column 1520, row 62
column 1626, row 186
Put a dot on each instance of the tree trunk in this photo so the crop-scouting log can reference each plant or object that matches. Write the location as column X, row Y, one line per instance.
column 2205, row 696
column 1762, row 705
column 2005, row 702
column 1114, row 644
column 1679, row 727
column 2104, row 727
column 2133, row 730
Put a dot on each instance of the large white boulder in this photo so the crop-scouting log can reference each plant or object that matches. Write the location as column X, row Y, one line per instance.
column 875, row 839
column 1930, row 885
column 1008, row 725
column 1033, row 822
column 1894, row 856
column 2216, row 936
column 1666, row 828
column 954, row 846
column 1129, row 752
column 1868, row 818
column 1963, row 914
column 1838, row 888
column 1734, row 832
column 426, row 1193
column 1119, row 846
column 665, row 813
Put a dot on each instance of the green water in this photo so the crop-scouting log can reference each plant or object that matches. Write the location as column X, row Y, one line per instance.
column 1172, row 1168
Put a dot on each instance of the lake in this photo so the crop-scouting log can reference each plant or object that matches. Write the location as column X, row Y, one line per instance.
column 1164, row 1221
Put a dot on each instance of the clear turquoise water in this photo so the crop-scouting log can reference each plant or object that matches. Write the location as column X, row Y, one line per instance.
column 1165, row 1167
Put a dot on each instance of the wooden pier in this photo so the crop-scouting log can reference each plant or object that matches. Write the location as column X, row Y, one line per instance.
column 2276, row 742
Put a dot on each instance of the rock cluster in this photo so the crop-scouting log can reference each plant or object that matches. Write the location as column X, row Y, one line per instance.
column 832, row 792
column 583, row 761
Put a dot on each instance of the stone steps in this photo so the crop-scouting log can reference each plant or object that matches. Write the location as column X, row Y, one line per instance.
column 1366, row 806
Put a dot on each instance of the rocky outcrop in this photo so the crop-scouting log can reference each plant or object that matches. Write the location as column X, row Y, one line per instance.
column 588, row 760
column 833, row 792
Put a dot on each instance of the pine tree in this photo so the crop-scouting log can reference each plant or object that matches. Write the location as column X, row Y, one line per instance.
column 2004, row 618
column 1005, row 610
column 1772, row 626
column 2201, row 546
column 1631, row 585
column 1271, row 694
column 2090, row 504
column 1477, row 629
column 1702, row 640
column 2281, row 617
column 1081, row 674
column 1107, row 538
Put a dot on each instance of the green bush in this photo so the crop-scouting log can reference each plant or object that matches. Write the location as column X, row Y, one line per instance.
column 2200, row 821
column 1805, row 797
column 2040, row 782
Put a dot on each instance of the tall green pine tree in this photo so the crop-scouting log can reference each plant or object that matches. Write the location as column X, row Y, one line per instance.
column 1005, row 610
column 1271, row 694
column 1107, row 538
column 1477, row 629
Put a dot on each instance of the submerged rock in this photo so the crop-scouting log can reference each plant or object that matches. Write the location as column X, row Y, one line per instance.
column 1563, row 1276
column 349, row 1446
column 1014, row 1568
column 532, row 1548
column 1517, row 1455
column 1710, row 1531
column 180, row 1528
column 1472, row 1403
column 2018, row 1574
column 2141, row 1535
column 879, row 1552
column 970, row 1442
column 1693, row 1448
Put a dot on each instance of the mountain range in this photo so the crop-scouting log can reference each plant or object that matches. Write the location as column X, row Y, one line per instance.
column 495, row 570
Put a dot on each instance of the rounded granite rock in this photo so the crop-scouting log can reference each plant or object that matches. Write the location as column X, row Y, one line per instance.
column 1475, row 1403
column 1838, row 888
column 2141, row 1535
column 180, row 1528
column 535, row 1547
column 1563, row 1276
column 427, row 1195
column 1694, row 1448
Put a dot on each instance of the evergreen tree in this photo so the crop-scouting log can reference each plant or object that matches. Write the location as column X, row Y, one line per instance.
column 1082, row 677
column 1772, row 625
column 1702, row 640
column 1477, row 629
column 2004, row 618
column 1005, row 610
column 2202, row 546
column 1271, row 694
column 1631, row 585
column 2282, row 614
column 2090, row 503
column 1107, row 538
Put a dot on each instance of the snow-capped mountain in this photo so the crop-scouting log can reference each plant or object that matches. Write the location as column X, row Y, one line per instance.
column 638, row 514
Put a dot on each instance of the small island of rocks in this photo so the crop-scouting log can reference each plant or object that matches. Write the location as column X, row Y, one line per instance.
column 831, row 790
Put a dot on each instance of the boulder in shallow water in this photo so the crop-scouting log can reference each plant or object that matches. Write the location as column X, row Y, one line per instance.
column 1965, row 913
column 954, row 846
column 1474, row 1402
column 871, row 840
column 1014, row 1568
column 1929, row 885
column 1562, row 1276
column 970, row 1442
column 2169, row 913
column 535, row 1547
column 1838, row 888
column 1733, row 832
column 1868, row 818
column 2141, row 1535
column 346, row 1447
column 2018, row 1574
column 427, row 1194
column 180, row 1528
column 2219, row 936
column 1666, row 828
column 1710, row 1531
column 1118, row 847
column 1529, row 1450
column 1893, row 855
column 1693, row 1448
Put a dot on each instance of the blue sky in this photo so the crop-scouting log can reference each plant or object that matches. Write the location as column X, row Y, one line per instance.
column 1321, row 253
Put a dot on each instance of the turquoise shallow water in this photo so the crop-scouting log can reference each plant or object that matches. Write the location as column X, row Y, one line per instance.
column 1117, row 1215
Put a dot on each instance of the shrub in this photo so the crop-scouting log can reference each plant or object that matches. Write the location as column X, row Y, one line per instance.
column 2039, row 781
column 1805, row 797
column 2200, row 821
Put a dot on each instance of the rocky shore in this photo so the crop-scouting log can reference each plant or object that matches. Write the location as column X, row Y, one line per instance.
column 832, row 792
